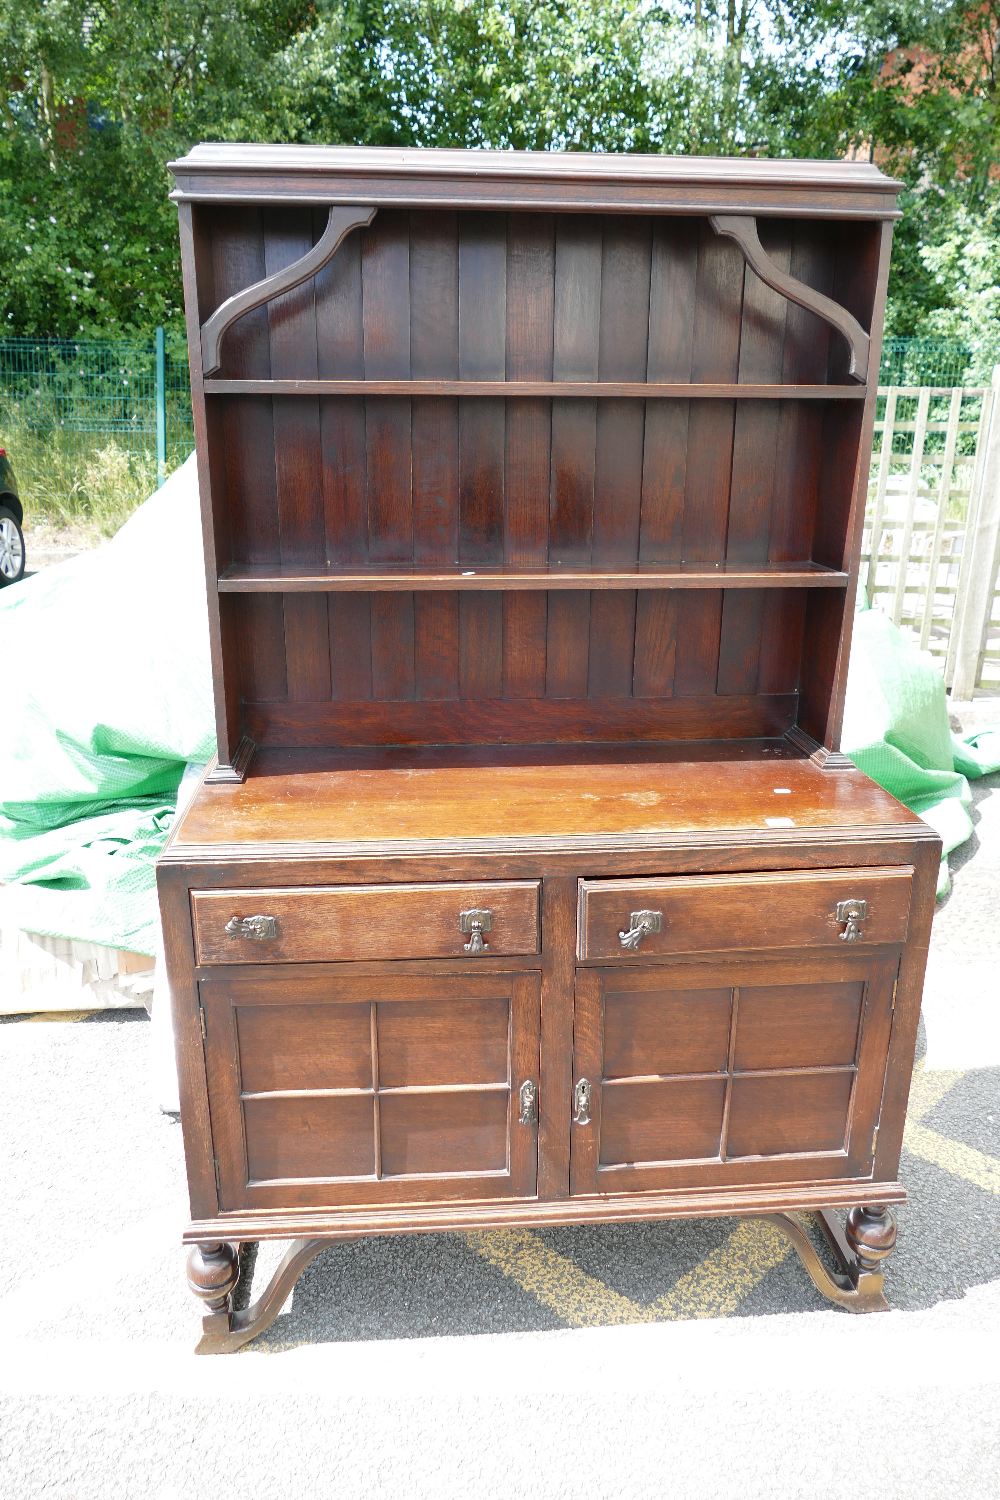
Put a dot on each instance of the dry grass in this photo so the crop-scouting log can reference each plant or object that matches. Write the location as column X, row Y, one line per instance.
column 90, row 483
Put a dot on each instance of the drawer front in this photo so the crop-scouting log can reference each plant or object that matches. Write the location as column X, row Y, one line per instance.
column 727, row 913
column 365, row 922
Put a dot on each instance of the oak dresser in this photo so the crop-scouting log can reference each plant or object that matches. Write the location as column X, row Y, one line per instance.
column 531, row 886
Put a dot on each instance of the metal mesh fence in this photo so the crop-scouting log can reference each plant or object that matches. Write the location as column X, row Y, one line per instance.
column 79, row 412
column 937, row 362
column 84, row 394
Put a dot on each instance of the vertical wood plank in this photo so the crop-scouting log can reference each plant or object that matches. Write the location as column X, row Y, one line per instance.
column 753, row 477
column 434, row 354
column 624, row 336
column 393, row 665
column 673, row 277
column 716, row 346
column 482, row 355
column 289, row 234
column 341, row 355
column 530, row 311
column 341, row 352
column 576, row 356
column 385, row 269
column 351, row 646
column 247, row 456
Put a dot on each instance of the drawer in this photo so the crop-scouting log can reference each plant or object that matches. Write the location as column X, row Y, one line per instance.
column 723, row 913
column 320, row 923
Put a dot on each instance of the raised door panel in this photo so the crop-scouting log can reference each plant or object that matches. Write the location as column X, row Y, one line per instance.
column 337, row 1090
column 737, row 1072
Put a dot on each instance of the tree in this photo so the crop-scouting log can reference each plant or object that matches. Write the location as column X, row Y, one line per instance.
column 97, row 95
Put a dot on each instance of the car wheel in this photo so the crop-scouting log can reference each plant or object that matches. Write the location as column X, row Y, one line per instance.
column 11, row 548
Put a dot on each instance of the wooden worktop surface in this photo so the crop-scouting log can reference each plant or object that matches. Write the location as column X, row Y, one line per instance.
column 440, row 796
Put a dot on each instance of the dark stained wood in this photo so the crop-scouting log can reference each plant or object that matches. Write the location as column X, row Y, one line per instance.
column 565, row 794
column 420, row 921
column 375, row 1140
column 790, row 1113
column 713, row 913
column 614, row 390
column 531, row 526
column 251, row 579
column 787, row 1027
column 565, row 715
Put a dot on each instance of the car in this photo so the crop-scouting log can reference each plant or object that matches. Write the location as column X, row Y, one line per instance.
column 11, row 518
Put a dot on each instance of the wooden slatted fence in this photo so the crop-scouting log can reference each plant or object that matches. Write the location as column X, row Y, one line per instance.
column 930, row 553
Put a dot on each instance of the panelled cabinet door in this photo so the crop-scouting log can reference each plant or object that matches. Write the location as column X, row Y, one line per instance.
column 334, row 1090
column 747, row 1071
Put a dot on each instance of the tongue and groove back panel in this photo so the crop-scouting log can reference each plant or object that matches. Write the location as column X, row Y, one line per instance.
column 374, row 481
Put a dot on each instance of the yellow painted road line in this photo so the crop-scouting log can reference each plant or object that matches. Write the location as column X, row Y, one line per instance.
column 713, row 1289
column 60, row 1015
column 558, row 1283
column 928, row 1089
column 952, row 1156
column 717, row 1286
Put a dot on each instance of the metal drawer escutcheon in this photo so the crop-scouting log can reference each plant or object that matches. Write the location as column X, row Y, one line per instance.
column 581, row 1102
column 641, row 923
column 257, row 928
column 528, row 1096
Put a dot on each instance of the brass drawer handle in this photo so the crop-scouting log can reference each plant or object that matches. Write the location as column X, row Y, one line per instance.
column 641, row 923
column 257, row 928
column 853, row 913
column 475, row 923
column 528, row 1096
column 581, row 1102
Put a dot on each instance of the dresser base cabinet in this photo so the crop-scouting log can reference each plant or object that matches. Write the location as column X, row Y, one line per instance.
column 747, row 1053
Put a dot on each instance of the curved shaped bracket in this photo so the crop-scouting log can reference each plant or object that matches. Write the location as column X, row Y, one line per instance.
column 851, row 1286
column 743, row 229
column 339, row 224
column 226, row 1332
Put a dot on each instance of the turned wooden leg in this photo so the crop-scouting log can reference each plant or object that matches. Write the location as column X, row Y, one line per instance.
column 871, row 1234
column 213, row 1271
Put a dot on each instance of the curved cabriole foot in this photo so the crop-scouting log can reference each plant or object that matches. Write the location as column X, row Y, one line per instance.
column 859, row 1249
column 227, row 1330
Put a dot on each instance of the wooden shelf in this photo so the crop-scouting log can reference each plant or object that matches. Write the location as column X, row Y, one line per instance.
column 511, row 389
column 298, row 578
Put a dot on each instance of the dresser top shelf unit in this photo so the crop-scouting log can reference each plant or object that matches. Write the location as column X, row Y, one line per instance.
column 507, row 448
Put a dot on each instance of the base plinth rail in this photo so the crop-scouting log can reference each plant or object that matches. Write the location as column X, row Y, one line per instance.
column 859, row 1249
column 225, row 1330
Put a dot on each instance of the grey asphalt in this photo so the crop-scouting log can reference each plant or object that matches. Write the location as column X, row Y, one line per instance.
column 415, row 1367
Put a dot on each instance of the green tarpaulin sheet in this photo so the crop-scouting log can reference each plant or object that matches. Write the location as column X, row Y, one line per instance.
column 896, row 729
column 107, row 697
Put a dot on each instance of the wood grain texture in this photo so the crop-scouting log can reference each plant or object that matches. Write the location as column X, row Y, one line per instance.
column 419, row 921
column 713, row 913
column 531, row 531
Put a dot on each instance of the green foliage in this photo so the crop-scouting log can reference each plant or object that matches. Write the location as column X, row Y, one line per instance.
column 97, row 95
